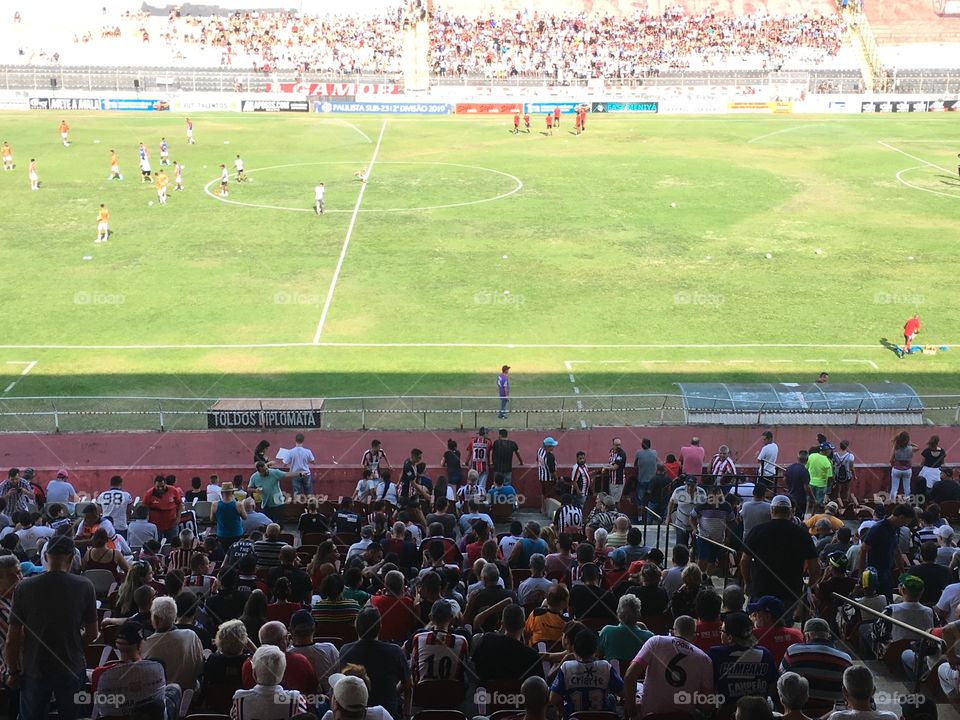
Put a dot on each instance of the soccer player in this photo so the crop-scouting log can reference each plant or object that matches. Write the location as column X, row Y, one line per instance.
column 177, row 176
column 164, row 152
column 224, row 180
column 549, row 124
column 318, row 193
column 910, row 329
column 7, row 154
column 958, row 166
column 114, row 166
column 142, row 151
column 526, row 122
column 583, row 118
column 161, row 184
column 64, row 129
column 103, row 224
column 145, row 170
column 556, row 116
column 238, row 164
column 516, row 123
column 576, row 123
column 361, row 174
column 190, row 139
column 34, row 178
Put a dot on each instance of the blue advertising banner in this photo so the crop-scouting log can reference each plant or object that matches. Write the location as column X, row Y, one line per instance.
column 632, row 107
column 383, row 108
column 133, row 104
column 566, row 108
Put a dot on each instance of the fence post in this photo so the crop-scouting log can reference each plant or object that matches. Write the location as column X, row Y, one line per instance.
column 461, row 413
column 160, row 411
column 363, row 415
column 563, row 405
column 56, row 418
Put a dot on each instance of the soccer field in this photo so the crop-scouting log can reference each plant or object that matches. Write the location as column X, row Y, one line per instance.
column 651, row 250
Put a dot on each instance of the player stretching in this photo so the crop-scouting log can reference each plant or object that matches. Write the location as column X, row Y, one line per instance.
column 177, row 176
column 526, row 122
column 911, row 329
column 238, row 165
column 190, row 139
column 161, row 184
column 549, row 124
column 164, row 152
column 64, row 129
column 224, row 180
column 318, row 193
column 34, row 178
column 103, row 224
column 114, row 166
column 361, row 174
column 7, row 154
column 516, row 123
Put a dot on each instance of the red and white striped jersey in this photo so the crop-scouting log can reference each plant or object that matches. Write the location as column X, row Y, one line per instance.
column 437, row 655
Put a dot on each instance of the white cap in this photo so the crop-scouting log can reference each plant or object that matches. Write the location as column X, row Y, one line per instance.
column 945, row 532
column 865, row 525
column 349, row 692
column 781, row 501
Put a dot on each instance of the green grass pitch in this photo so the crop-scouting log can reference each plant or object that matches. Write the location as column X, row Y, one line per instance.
column 649, row 251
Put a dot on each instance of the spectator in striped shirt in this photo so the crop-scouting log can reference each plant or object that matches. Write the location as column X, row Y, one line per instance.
column 603, row 515
column 568, row 515
column 580, row 479
column 710, row 521
column 374, row 458
column 546, row 462
column 181, row 557
column 819, row 660
column 479, row 455
column 268, row 549
column 470, row 491
column 722, row 467
column 200, row 577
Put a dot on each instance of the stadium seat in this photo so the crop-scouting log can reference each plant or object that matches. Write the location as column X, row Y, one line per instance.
column 500, row 689
column 518, row 575
column 891, row 656
column 312, row 539
column 439, row 715
column 103, row 581
column 438, row 694
column 287, row 538
column 345, row 631
column 657, row 624
column 593, row 715
column 96, row 655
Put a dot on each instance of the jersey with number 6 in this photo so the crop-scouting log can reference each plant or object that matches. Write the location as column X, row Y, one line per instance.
column 675, row 670
column 438, row 656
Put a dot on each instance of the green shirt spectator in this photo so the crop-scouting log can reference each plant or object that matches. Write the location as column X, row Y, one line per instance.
column 820, row 469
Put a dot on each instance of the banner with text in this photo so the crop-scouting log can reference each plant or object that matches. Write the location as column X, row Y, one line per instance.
column 238, row 419
column 335, row 89
column 566, row 108
column 620, row 107
column 275, row 106
column 19, row 104
column 488, row 108
column 387, row 108
column 133, row 104
column 64, row 103
column 187, row 104
column 747, row 106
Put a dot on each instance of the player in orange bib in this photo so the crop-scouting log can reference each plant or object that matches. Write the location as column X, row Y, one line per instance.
column 114, row 166
column 64, row 129
column 103, row 224
column 7, row 154
column 34, row 178
column 160, row 183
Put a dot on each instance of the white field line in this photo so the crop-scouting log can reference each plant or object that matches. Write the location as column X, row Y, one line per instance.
column 785, row 130
column 568, row 364
column 923, row 189
column 871, row 363
column 914, row 157
column 346, row 240
column 30, row 365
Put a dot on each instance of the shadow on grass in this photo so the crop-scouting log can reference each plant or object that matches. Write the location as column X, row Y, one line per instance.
column 892, row 347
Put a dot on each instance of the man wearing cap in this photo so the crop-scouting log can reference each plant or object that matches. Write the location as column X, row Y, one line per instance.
column 132, row 683
column 830, row 515
column 683, row 500
column 546, row 462
column 59, row 490
column 768, row 628
column 503, row 389
column 912, row 612
column 740, row 666
column 54, row 615
column 818, row 659
column 603, row 515
column 165, row 503
column 350, row 699
column 775, row 555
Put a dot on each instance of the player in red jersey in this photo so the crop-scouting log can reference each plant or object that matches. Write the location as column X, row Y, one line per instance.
column 583, row 118
column 910, row 329
column 478, row 455
column 556, row 116
column 576, row 123
column 526, row 122
column 516, row 123
column 549, row 124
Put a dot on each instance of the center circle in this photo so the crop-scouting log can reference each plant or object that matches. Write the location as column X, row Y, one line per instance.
column 510, row 184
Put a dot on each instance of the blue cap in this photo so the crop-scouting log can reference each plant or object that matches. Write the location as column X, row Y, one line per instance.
column 550, row 442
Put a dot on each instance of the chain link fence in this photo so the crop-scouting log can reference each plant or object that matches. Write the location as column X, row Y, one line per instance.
column 439, row 413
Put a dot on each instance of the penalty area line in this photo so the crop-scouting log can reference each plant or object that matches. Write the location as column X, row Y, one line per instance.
column 346, row 240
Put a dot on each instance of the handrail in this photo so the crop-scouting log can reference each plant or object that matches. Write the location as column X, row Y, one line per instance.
column 899, row 623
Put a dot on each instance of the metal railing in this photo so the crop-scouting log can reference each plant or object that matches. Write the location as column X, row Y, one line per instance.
column 425, row 412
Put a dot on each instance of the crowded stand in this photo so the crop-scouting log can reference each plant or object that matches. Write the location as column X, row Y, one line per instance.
column 657, row 582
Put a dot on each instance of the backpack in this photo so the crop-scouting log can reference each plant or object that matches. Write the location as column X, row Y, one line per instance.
column 840, row 473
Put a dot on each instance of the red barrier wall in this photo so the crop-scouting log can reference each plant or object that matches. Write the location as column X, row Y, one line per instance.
column 93, row 457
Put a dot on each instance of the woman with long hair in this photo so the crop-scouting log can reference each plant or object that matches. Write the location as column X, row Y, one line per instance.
column 933, row 459
column 101, row 557
column 255, row 614
column 327, row 554
column 260, row 453
column 139, row 574
column 901, row 464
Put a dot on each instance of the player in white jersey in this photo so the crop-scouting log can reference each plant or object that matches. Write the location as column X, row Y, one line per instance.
column 190, row 139
column 34, row 176
column 318, row 192
column 115, row 504
column 145, row 170
column 177, row 176
column 238, row 165
column 224, row 180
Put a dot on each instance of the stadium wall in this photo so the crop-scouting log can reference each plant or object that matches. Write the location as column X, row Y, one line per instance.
column 92, row 458
column 381, row 99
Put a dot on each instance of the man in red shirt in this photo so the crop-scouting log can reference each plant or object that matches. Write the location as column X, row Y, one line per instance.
column 768, row 628
column 397, row 613
column 165, row 503
column 526, row 122
column 909, row 330
column 556, row 116
column 549, row 124
column 516, row 123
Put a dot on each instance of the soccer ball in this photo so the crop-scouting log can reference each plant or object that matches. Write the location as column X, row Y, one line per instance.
column 150, row 202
